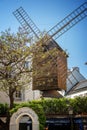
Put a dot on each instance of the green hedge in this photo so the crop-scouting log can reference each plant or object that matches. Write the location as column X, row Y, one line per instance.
column 3, row 109
column 51, row 106
column 55, row 106
column 79, row 105
column 62, row 105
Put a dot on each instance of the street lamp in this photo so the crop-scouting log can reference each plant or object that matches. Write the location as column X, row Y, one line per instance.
column 71, row 117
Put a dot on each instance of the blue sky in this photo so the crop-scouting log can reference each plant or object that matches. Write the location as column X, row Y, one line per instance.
column 46, row 14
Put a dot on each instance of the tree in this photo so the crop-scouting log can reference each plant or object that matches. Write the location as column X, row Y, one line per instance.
column 14, row 52
column 14, row 73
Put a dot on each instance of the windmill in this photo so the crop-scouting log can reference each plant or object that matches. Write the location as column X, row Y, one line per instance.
column 57, row 79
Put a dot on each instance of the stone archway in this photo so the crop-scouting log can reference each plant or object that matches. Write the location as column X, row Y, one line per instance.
column 14, row 122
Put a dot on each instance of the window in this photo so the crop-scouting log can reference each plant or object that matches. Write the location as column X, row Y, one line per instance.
column 18, row 95
column 27, row 64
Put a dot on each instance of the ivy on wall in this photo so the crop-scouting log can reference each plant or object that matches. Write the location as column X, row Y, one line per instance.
column 37, row 108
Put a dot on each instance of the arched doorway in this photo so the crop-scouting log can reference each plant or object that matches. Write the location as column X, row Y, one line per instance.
column 25, row 123
column 17, row 118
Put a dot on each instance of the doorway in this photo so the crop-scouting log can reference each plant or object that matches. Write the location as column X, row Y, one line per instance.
column 25, row 123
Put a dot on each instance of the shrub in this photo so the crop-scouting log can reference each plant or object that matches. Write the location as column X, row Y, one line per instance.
column 3, row 109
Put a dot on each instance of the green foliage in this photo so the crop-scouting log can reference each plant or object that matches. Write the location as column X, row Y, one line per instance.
column 36, row 107
column 62, row 105
column 79, row 105
column 3, row 109
column 54, row 106
column 46, row 107
column 13, row 54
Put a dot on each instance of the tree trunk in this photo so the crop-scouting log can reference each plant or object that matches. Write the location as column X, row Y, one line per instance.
column 7, row 124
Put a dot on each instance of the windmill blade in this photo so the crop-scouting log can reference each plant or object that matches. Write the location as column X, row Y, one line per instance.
column 26, row 22
column 47, row 41
column 59, row 29
column 68, row 22
column 29, row 26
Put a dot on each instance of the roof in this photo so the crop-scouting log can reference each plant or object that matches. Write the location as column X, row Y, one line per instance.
column 79, row 87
